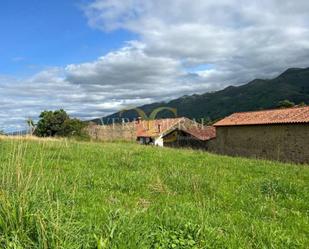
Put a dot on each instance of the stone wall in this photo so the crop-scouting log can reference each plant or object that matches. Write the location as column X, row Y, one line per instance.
column 287, row 143
column 113, row 132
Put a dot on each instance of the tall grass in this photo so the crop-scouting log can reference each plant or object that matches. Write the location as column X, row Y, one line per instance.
column 66, row 194
column 31, row 214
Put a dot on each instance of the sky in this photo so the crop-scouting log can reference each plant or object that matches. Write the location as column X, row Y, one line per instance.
column 95, row 57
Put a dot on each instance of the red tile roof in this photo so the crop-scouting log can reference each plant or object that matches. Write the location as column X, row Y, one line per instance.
column 276, row 116
column 155, row 128
column 202, row 133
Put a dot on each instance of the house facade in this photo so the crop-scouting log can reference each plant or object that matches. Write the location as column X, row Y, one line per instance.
column 280, row 134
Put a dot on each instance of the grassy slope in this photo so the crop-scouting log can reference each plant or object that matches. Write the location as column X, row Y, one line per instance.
column 88, row 195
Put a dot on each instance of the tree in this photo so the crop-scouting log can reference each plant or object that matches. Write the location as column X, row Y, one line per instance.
column 58, row 123
column 73, row 127
column 2, row 133
column 285, row 104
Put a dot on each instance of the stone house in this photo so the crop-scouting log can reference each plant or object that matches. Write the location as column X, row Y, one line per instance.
column 279, row 134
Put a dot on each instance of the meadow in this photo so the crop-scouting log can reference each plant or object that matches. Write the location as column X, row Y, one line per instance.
column 68, row 194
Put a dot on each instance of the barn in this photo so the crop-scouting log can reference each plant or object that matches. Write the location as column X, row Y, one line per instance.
column 174, row 132
column 279, row 134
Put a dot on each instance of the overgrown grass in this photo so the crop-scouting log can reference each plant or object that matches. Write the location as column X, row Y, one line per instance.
column 62, row 194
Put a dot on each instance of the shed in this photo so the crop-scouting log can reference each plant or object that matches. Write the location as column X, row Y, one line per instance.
column 175, row 132
column 278, row 134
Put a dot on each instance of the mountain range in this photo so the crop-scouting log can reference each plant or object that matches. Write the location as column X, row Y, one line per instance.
column 292, row 85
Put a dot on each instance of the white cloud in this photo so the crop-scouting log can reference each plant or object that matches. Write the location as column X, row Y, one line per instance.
column 130, row 73
column 21, row 99
column 251, row 36
column 128, row 66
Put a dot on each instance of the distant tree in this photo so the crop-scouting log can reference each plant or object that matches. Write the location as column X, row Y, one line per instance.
column 2, row 132
column 58, row 123
column 285, row 104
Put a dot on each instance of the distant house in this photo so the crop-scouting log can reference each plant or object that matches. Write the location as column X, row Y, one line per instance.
column 280, row 134
column 176, row 132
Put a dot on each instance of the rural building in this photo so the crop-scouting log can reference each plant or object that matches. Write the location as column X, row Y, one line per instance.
column 175, row 132
column 280, row 134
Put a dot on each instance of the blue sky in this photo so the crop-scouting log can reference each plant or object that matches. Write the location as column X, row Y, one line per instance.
column 94, row 57
column 37, row 34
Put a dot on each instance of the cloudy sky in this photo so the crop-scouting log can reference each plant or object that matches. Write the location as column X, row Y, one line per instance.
column 94, row 57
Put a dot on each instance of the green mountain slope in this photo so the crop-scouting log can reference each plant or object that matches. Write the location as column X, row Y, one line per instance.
column 258, row 94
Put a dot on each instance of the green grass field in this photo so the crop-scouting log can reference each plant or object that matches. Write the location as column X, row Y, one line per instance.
column 64, row 194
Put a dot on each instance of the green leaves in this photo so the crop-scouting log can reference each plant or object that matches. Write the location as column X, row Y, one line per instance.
column 58, row 123
column 184, row 237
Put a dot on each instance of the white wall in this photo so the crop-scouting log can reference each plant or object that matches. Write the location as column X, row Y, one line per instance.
column 159, row 141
